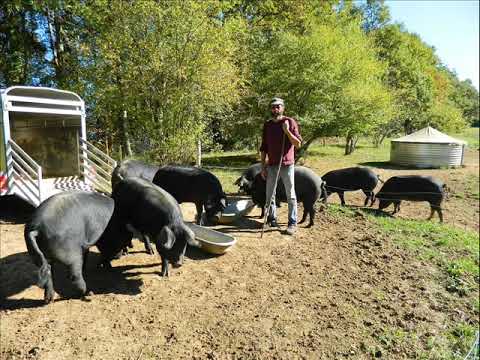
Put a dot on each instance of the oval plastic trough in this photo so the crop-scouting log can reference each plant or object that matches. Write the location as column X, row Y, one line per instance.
column 212, row 241
column 236, row 209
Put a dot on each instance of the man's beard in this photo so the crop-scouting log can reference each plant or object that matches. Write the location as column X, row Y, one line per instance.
column 277, row 116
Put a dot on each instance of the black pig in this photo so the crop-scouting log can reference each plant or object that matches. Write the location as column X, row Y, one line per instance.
column 63, row 228
column 412, row 188
column 133, row 168
column 155, row 214
column 309, row 187
column 351, row 179
column 191, row 184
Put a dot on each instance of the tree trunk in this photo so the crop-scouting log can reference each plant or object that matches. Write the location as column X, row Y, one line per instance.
column 302, row 152
column 57, row 45
column 126, row 136
column 351, row 143
column 199, row 153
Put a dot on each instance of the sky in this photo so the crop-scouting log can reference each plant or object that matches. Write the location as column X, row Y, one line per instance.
column 450, row 26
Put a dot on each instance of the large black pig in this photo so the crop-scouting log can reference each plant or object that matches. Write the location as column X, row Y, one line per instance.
column 245, row 181
column 412, row 188
column 63, row 228
column 309, row 187
column 155, row 214
column 133, row 168
column 351, row 179
column 191, row 184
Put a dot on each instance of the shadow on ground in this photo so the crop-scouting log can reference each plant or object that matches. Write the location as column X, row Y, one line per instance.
column 18, row 273
column 15, row 210
column 372, row 211
column 241, row 160
column 386, row 165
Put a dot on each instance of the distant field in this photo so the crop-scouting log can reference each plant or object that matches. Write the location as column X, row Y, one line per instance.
column 470, row 135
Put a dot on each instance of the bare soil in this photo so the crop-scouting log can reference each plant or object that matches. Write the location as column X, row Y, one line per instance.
column 331, row 292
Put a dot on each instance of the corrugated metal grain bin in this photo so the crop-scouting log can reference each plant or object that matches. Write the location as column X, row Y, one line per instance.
column 427, row 148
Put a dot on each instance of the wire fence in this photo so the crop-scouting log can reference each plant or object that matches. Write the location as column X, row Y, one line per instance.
column 474, row 353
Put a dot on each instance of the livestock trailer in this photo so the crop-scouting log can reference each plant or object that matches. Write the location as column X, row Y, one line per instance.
column 43, row 145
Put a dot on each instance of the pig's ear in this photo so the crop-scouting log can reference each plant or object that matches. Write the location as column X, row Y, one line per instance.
column 166, row 238
column 191, row 237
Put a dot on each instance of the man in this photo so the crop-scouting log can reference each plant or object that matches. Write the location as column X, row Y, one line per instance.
column 278, row 131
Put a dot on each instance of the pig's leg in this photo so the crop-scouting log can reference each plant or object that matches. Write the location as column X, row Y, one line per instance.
column 263, row 212
column 76, row 273
column 438, row 209
column 148, row 245
column 84, row 265
column 49, row 292
column 146, row 242
column 342, row 198
column 369, row 195
column 311, row 211
column 304, row 217
column 198, row 218
column 164, row 266
column 396, row 207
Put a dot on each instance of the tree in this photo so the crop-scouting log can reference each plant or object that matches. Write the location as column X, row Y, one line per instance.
column 417, row 79
column 466, row 98
column 375, row 15
column 330, row 79
column 21, row 48
column 170, row 66
column 410, row 64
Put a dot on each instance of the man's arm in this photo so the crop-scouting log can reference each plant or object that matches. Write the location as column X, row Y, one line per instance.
column 293, row 139
column 263, row 159
column 263, row 152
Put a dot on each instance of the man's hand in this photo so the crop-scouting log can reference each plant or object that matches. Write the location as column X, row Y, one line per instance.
column 286, row 127
column 263, row 173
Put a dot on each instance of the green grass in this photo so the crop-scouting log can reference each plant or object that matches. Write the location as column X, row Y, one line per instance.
column 456, row 343
column 365, row 153
column 456, row 253
column 470, row 135
column 455, row 250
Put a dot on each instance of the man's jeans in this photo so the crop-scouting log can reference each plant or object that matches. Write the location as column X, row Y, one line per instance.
column 287, row 174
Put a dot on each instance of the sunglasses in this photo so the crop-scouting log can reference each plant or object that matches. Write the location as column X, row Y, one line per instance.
column 276, row 106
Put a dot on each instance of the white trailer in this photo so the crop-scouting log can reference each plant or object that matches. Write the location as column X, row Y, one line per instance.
column 43, row 145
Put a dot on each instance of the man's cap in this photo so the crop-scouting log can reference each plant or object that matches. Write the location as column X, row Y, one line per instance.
column 277, row 101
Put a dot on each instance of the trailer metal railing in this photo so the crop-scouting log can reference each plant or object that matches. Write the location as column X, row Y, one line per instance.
column 96, row 166
column 23, row 173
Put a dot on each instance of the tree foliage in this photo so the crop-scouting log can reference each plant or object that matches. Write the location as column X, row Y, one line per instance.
column 329, row 78
column 158, row 76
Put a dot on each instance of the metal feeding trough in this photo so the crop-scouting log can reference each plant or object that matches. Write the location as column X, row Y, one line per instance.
column 235, row 210
column 212, row 241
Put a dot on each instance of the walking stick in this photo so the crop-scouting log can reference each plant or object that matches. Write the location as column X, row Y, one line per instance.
column 272, row 198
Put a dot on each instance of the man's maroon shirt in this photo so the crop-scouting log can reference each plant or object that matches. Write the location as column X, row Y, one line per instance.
column 272, row 141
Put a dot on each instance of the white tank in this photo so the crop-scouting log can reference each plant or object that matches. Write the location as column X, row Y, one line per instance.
column 427, row 148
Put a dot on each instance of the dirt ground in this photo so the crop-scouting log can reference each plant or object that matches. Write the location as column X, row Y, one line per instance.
column 329, row 293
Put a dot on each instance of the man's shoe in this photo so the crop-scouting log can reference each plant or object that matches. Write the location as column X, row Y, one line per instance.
column 291, row 230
